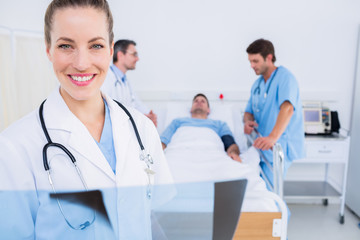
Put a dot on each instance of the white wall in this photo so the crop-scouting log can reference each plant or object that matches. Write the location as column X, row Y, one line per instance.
column 187, row 45
column 199, row 45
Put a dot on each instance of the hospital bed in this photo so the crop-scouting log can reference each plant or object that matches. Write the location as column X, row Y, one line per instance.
column 266, row 217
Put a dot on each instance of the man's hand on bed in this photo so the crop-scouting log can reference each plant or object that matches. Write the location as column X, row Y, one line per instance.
column 163, row 145
column 264, row 143
column 235, row 157
column 234, row 152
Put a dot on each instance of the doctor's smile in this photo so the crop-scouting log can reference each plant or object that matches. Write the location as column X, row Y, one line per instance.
column 81, row 79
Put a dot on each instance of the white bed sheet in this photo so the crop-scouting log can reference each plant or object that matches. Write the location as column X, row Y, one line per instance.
column 197, row 159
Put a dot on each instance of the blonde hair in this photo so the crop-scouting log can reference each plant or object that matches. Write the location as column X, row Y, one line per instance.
column 55, row 5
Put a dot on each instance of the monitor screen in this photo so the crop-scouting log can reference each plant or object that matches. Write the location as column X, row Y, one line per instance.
column 312, row 115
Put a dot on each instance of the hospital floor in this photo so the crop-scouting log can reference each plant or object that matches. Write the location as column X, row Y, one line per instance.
column 308, row 222
column 315, row 221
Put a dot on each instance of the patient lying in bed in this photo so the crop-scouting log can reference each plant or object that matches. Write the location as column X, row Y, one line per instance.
column 195, row 153
column 199, row 118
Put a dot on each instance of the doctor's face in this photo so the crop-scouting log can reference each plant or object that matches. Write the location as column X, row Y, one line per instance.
column 129, row 59
column 258, row 63
column 80, row 51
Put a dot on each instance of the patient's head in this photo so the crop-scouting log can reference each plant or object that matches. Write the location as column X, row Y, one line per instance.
column 200, row 106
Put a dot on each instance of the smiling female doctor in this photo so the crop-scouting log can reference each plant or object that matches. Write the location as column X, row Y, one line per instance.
column 79, row 123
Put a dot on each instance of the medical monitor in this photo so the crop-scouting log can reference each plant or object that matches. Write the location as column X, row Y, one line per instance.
column 312, row 116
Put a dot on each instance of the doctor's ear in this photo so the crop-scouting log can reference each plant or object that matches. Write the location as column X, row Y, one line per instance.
column 269, row 57
column 48, row 54
column 120, row 55
column 112, row 49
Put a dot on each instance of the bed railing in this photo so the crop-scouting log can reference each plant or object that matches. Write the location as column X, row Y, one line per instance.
column 277, row 168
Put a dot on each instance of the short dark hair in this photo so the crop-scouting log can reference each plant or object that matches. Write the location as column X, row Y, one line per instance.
column 262, row 46
column 202, row 95
column 121, row 46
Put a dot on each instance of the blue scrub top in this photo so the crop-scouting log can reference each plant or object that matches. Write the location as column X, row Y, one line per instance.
column 280, row 87
column 106, row 143
column 119, row 75
column 220, row 127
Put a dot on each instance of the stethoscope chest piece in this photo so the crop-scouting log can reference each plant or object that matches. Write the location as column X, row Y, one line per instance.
column 146, row 157
column 149, row 172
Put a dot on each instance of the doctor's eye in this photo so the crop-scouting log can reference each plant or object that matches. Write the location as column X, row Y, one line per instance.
column 64, row 46
column 97, row 46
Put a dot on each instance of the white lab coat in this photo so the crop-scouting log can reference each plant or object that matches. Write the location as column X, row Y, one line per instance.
column 122, row 92
column 27, row 212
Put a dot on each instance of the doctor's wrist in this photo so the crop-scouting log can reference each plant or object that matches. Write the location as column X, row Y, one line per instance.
column 273, row 138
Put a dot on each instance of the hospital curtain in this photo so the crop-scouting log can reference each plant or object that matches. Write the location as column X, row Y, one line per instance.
column 26, row 75
column 8, row 110
column 33, row 73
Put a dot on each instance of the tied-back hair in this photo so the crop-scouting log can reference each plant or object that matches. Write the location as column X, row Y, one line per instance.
column 101, row 5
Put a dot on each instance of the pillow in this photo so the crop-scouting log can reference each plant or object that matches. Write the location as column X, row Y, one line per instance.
column 176, row 110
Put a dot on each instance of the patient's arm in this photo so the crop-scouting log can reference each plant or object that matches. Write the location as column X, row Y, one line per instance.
column 163, row 145
column 234, row 152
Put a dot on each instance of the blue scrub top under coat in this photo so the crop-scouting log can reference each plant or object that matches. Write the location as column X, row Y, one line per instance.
column 283, row 87
column 106, row 143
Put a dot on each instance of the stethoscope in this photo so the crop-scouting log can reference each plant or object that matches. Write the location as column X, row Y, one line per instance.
column 122, row 82
column 146, row 157
column 257, row 92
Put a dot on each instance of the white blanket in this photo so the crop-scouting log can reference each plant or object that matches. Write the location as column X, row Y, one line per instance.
column 196, row 155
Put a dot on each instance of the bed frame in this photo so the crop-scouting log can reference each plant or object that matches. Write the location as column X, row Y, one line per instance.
column 263, row 225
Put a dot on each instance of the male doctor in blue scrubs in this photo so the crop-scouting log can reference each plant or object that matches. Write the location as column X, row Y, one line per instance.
column 274, row 107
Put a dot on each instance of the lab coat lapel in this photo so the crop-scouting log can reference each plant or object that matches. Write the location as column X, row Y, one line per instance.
column 79, row 139
column 122, row 132
column 82, row 142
